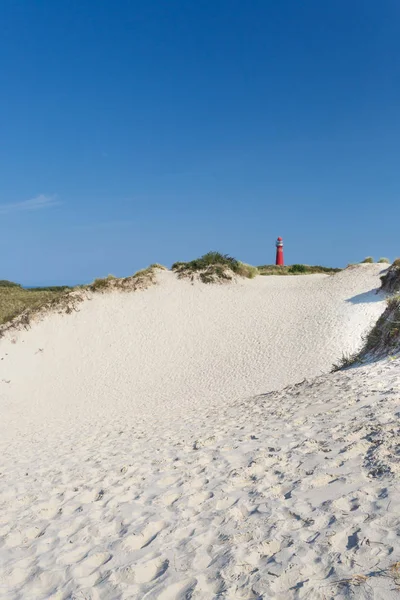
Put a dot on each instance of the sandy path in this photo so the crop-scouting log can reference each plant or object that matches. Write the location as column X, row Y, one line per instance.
column 137, row 463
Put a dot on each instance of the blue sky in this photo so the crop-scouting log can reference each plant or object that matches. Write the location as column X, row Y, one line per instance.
column 134, row 132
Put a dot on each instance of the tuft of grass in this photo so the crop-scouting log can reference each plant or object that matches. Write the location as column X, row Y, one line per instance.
column 367, row 259
column 383, row 260
column 383, row 338
column 296, row 270
column 214, row 266
column 101, row 284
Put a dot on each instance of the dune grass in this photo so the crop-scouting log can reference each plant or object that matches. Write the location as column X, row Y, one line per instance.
column 14, row 300
column 21, row 304
column 296, row 269
column 214, row 267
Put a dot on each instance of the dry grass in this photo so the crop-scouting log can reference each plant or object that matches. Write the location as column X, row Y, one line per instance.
column 15, row 300
column 362, row 579
column 18, row 305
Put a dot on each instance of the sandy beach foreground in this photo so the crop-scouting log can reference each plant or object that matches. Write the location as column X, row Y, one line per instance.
column 188, row 441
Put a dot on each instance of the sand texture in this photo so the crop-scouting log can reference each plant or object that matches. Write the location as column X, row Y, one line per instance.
column 144, row 453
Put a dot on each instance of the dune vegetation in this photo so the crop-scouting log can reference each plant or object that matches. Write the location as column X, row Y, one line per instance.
column 14, row 299
column 21, row 303
column 384, row 337
column 214, row 266
column 296, row 269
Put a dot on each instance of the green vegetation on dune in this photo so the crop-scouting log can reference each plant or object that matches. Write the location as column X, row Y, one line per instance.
column 8, row 284
column 213, row 267
column 14, row 300
column 19, row 303
column 295, row 270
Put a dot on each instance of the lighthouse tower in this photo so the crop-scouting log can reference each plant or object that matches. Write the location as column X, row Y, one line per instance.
column 279, row 252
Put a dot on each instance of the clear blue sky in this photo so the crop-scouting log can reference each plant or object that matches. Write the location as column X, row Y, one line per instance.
column 148, row 131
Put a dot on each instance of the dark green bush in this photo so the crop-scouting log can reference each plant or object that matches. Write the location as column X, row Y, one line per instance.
column 298, row 269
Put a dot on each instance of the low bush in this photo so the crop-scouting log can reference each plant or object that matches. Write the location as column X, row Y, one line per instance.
column 297, row 269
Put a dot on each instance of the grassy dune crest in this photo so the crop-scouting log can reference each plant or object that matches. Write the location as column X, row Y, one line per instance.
column 18, row 305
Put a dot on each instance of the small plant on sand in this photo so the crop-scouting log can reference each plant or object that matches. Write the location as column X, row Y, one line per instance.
column 367, row 259
column 383, row 260
column 214, row 266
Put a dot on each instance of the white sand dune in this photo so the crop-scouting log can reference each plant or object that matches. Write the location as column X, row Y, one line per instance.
column 143, row 457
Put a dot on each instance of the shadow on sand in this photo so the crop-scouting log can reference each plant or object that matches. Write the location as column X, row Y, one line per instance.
column 366, row 297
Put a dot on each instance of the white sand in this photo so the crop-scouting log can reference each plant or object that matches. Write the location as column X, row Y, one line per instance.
column 136, row 461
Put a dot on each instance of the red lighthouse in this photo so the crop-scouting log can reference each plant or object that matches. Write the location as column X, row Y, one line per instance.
column 279, row 252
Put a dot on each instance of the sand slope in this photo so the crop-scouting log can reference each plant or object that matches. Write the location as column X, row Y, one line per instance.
column 139, row 461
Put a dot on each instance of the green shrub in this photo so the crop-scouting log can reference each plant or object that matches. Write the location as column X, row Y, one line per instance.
column 368, row 259
column 298, row 269
column 383, row 260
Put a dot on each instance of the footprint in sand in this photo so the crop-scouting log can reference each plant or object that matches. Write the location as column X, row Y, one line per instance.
column 74, row 556
column 145, row 537
column 178, row 591
column 87, row 566
column 225, row 503
column 15, row 538
column 166, row 481
column 141, row 573
column 169, row 499
column 197, row 499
